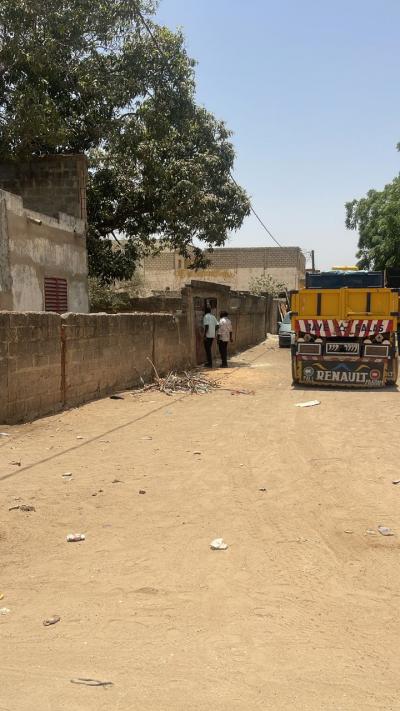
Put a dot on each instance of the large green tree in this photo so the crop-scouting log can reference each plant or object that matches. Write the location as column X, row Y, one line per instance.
column 101, row 77
column 377, row 219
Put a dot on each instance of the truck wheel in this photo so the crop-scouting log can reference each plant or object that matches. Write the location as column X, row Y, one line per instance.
column 294, row 372
column 393, row 381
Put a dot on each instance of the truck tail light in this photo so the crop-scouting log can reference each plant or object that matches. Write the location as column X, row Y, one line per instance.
column 377, row 351
column 309, row 348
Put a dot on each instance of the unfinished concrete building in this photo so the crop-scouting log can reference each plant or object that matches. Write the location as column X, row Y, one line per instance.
column 232, row 266
column 43, row 256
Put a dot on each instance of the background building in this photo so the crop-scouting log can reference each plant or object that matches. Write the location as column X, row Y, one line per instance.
column 233, row 266
column 43, row 257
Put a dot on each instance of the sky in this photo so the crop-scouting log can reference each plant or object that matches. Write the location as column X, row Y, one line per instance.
column 310, row 90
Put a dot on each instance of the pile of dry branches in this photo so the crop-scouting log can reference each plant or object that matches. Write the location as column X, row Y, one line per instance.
column 187, row 382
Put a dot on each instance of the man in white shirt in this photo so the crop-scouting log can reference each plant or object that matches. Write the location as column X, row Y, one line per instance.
column 224, row 336
column 210, row 324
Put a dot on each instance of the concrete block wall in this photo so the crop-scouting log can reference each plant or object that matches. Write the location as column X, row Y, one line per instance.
column 173, row 342
column 49, row 361
column 34, row 246
column 51, row 184
column 232, row 266
column 30, row 365
column 105, row 353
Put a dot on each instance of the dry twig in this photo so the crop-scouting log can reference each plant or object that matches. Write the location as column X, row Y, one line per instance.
column 187, row 382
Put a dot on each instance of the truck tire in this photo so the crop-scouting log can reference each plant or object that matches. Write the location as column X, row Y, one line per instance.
column 295, row 378
column 393, row 381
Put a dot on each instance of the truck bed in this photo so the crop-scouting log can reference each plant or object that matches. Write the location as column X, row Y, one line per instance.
column 346, row 304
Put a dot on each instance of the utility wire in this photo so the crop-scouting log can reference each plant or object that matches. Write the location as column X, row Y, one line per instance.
column 164, row 56
column 258, row 217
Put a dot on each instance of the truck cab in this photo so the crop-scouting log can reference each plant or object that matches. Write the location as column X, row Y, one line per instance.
column 345, row 326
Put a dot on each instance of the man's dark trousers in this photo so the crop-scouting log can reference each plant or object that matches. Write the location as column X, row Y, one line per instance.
column 223, row 349
column 208, row 344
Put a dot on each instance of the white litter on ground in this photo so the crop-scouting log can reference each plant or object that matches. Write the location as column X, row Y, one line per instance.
column 385, row 531
column 218, row 544
column 310, row 403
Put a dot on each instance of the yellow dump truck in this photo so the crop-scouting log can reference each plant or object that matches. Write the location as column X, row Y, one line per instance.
column 344, row 327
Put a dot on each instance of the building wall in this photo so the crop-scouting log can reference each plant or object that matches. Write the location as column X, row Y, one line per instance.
column 104, row 352
column 235, row 267
column 30, row 365
column 34, row 246
column 48, row 361
column 50, row 185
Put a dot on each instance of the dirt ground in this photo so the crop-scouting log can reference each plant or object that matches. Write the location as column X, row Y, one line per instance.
column 299, row 613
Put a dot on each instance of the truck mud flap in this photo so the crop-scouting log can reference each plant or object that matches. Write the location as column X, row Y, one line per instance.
column 357, row 373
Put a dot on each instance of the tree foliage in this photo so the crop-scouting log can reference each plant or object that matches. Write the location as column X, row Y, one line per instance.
column 266, row 284
column 377, row 219
column 100, row 77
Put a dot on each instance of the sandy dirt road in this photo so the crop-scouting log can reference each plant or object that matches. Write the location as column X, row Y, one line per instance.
column 301, row 612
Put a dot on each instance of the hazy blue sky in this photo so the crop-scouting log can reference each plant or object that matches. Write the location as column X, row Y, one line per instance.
column 311, row 90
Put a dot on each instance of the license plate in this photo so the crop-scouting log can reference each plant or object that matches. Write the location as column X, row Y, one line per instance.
column 351, row 348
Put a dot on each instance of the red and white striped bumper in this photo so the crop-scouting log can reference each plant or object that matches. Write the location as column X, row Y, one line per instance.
column 356, row 328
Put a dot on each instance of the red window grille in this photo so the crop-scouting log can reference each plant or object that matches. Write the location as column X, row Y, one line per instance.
column 56, row 295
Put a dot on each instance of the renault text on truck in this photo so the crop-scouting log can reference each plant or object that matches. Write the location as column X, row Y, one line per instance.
column 345, row 325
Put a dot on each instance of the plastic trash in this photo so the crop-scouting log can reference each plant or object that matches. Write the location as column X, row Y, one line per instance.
column 309, row 403
column 75, row 537
column 67, row 475
column 142, row 491
column 396, row 481
column 4, row 434
column 52, row 620
column 218, row 544
column 385, row 531
column 4, row 610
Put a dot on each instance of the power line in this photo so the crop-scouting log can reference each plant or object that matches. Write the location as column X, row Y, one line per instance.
column 258, row 217
column 164, row 56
